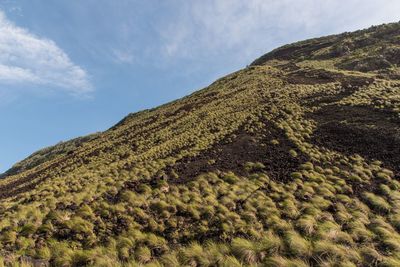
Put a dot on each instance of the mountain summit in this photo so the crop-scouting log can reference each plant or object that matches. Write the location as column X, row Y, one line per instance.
column 292, row 161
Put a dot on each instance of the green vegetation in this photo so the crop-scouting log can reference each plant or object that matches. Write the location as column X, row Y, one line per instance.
column 293, row 161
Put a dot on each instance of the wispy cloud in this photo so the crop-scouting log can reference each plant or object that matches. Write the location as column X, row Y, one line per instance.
column 123, row 56
column 28, row 59
column 208, row 28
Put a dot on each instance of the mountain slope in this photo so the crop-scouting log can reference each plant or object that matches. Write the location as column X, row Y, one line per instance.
column 293, row 161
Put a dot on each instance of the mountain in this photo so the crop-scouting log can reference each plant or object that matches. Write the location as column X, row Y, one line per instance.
column 292, row 161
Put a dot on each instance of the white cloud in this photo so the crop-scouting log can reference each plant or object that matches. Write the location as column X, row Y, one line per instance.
column 28, row 59
column 250, row 27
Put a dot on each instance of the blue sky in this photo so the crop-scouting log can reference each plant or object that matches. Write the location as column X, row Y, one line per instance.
column 69, row 68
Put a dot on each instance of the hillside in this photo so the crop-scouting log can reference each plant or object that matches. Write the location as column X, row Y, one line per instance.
column 292, row 161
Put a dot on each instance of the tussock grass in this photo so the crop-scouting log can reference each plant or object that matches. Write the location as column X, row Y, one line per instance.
column 378, row 203
column 296, row 245
column 232, row 175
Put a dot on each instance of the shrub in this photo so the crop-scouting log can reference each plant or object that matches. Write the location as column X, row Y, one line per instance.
column 296, row 245
column 390, row 262
column 82, row 258
column 230, row 178
column 383, row 176
column 274, row 142
column 61, row 253
column 324, row 249
column 378, row 203
column 143, row 254
column 46, row 229
column 395, row 220
column 296, row 175
column 43, row 253
column 144, row 189
column 343, row 216
column 124, row 244
column 159, row 206
column 207, row 211
column 245, row 250
column 321, row 202
column 343, row 238
column 343, row 198
column 170, row 260
column 306, row 224
column 307, row 166
column 123, row 253
column 27, row 230
column 194, row 255
column 293, row 153
column 230, row 261
column 8, row 237
column 355, row 178
column 277, row 261
column 156, row 242
column 359, row 233
column 82, row 230
column 391, row 243
column 370, row 256
column 254, row 166
column 79, row 225
column 193, row 211
column 289, row 209
column 270, row 244
column 86, row 212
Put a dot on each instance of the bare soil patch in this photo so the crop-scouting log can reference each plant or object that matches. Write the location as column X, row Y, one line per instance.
column 372, row 133
column 232, row 153
column 313, row 76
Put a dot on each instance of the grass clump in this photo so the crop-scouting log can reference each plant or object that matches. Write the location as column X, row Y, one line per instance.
column 245, row 250
column 270, row 244
column 193, row 255
column 306, row 224
column 376, row 202
column 143, row 254
column 296, row 245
